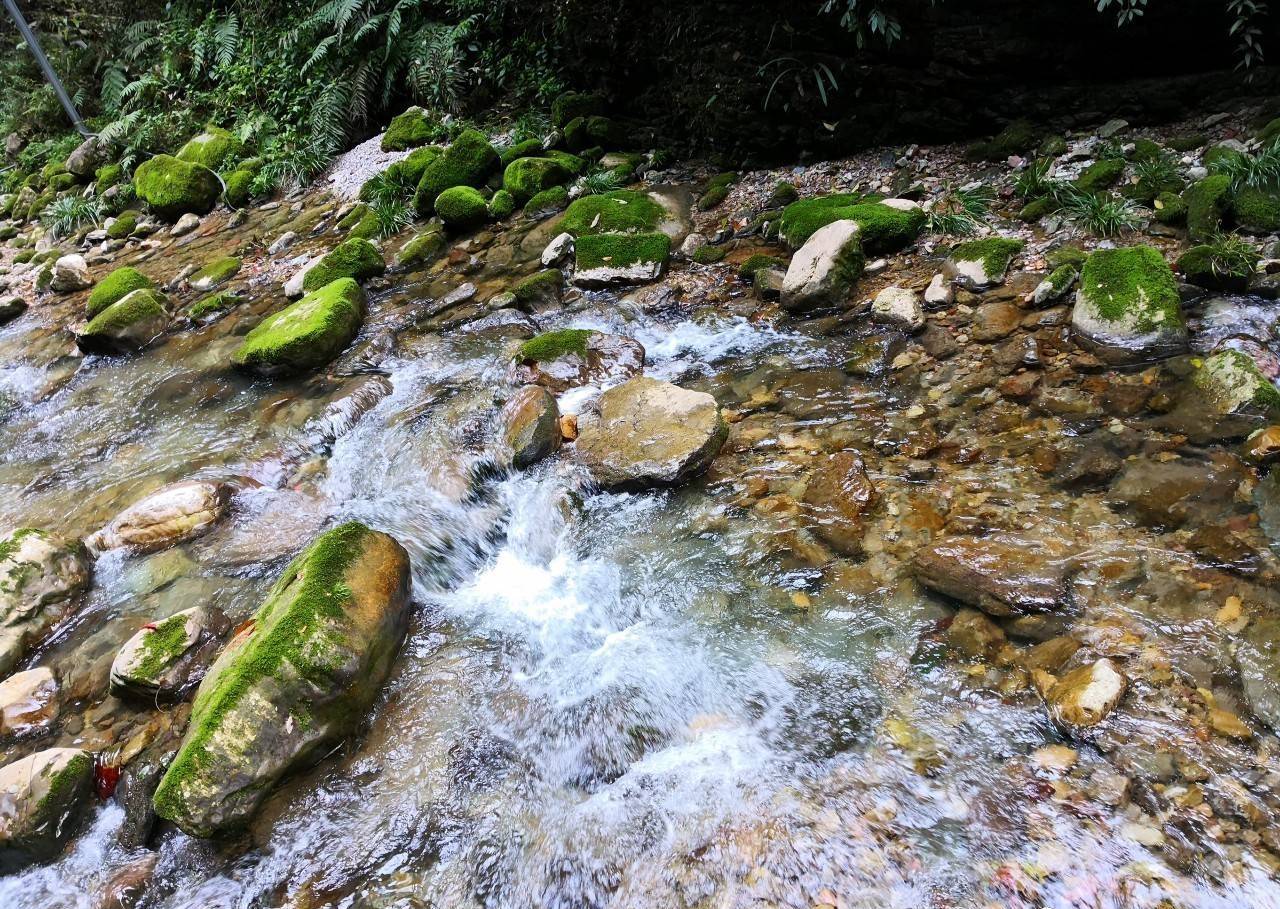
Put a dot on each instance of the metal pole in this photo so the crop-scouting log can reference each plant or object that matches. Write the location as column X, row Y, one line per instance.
column 52, row 77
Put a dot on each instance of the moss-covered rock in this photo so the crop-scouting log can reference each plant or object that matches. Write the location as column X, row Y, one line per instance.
column 108, row 176
column 1170, row 209
column 129, row 324
column 214, row 306
column 1018, row 137
column 407, row 173
column 549, row 200
column 574, row 164
column 1066, row 255
column 41, row 581
column 572, row 105
column 1187, row 143
column 755, row 262
column 215, row 273
column 422, row 249
column 1100, row 175
column 165, row 660
column 1233, row 385
column 1222, row 157
column 238, row 187
column 529, row 148
column 299, row 679
column 1037, row 209
column 214, row 148
column 716, row 190
column 620, row 211
column 353, row 258
column 539, row 292
column 501, row 205
column 619, row 258
column 124, row 225
column 524, row 178
column 981, row 263
column 708, row 255
column 1257, row 209
column 310, row 333
column 582, row 133
column 468, row 161
column 885, row 228
column 1208, row 201
column 782, row 195
column 60, row 182
column 116, row 286
column 409, row 130
column 1145, row 149
column 824, row 271
column 1128, row 309
column 1204, row 266
column 173, row 187
column 1269, row 133
column 462, row 208
column 46, row 798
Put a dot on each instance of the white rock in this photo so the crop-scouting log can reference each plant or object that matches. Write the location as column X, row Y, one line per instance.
column 558, row 250
column 899, row 307
column 692, row 244
column 28, row 700
column 185, row 225
column 293, row 287
column 70, row 273
column 940, row 293
column 901, row 204
column 824, row 270
column 173, row 514
column 282, row 242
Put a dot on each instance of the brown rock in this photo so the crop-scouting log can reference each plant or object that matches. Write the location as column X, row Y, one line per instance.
column 531, row 426
column 837, row 499
column 1084, row 697
column 993, row 321
column 1003, row 576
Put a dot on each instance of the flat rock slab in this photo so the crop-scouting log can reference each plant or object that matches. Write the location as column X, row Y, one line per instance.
column 1003, row 576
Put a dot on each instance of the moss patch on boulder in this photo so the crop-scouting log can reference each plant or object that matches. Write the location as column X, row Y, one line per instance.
column 125, row 224
column 524, row 178
column 572, row 105
column 884, row 228
column 217, row 272
column 310, row 333
column 1128, row 308
column 116, row 286
column 1208, row 201
column 1257, row 209
column 213, row 148
column 1170, row 209
column 421, row 249
column 1232, row 381
column 549, row 200
column 173, row 187
column 620, row 211
column 128, row 324
column 212, row 305
column 354, row 258
column 462, row 208
column 552, row 345
column 501, row 205
column 1018, row 137
column 408, row 130
column 1100, row 175
column 468, row 161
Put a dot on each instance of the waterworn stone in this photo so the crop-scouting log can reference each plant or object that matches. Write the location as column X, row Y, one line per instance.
column 558, row 251
column 825, row 269
column 1263, row 446
column 41, row 580
column 11, row 308
column 127, row 886
column 993, row 321
column 531, row 426
column 28, row 701
column 166, row 659
column 1127, row 308
column 127, row 325
column 898, row 307
column 185, row 225
column 294, row 682
column 560, row 360
column 1003, row 576
column 1083, row 697
column 940, row 293
column 838, row 497
column 1257, row 654
column 974, row 635
column 172, row 515
column 70, row 272
column 981, row 263
column 87, row 157
column 44, row 799
column 645, row 432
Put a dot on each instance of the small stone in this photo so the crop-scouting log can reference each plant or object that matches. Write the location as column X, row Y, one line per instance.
column 1084, row 697
column 1056, row 758
column 282, row 243
column 28, row 701
column 898, row 307
column 185, row 225
column 558, row 250
column 1226, row 723
column 530, row 426
column 174, row 514
column 940, row 293
column 70, row 273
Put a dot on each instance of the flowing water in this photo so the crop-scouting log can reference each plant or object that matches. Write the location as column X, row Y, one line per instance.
column 618, row 700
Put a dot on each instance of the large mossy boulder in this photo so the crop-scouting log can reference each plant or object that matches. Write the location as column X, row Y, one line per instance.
column 173, row 187
column 620, row 211
column 408, row 130
column 307, row 334
column 468, row 161
column 462, row 208
column 44, row 800
column 421, row 249
column 824, row 271
column 1127, row 308
column 41, row 580
column 887, row 225
column 214, row 148
column 524, row 178
column 116, row 286
column 602, row 260
column 355, row 258
column 127, row 325
column 299, row 679
column 645, row 432
column 1208, row 202
column 1257, row 209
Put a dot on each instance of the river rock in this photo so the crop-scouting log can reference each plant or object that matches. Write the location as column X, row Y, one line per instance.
column 531, row 426
column 1083, row 697
column 308, row 334
column 166, row 659
column 70, row 272
column 571, row 357
column 1257, row 656
column 127, row 886
column 940, row 293
column 87, row 157
column 28, row 700
column 898, row 307
column 993, row 321
column 295, row 682
column 44, row 798
column 177, row 513
column 1003, row 576
column 825, row 269
column 1127, row 307
column 41, row 580
column 646, row 432
column 558, row 251
column 838, row 498
column 129, row 324
column 11, row 308
column 1231, row 384
column 981, row 263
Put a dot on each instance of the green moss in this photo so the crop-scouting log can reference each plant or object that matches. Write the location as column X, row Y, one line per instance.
column 1234, row 382
column 524, row 178
column 529, row 148
column 620, row 211
column 1066, row 255
column 501, row 205
column 1170, row 209
column 409, row 130
column 747, row 270
column 125, row 224
column 716, row 190
column 1222, row 157
column 353, row 258
column 52, row 169
column 1270, row 132
column 133, row 307
column 554, row 199
column 462, row 208
column 161, row 647
column 708, row 255
column 584, row 132
column 407, row 173
column 552, row 345
column 173, row 188
column 1133, row 285
column 368, row 226
column 422, row 249
column 1207, row 203
column 782, row 195
column 213, row 148
column 1209, row 265
column 25, row 256
column 1018, row 137
column 1051, row 147
column 1061, row 278
column 539, row 287
column 60, row 182
column 883, row 228
column 116, row 286
column 1100, row 175
column 1145, row 149
column 353, row 217
column 468, row 161
column 1187, row 143
column 76, row 774
column 1037, row 209
column 214, row 304
column 572, row 105
column 217, row 272
column 239, row 187
column 298, row 624
column 1257, row 209
column 620, row 250
column 307, row 334
column 994, row 253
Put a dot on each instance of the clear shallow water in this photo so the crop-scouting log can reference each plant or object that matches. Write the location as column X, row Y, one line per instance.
column 605, row 700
